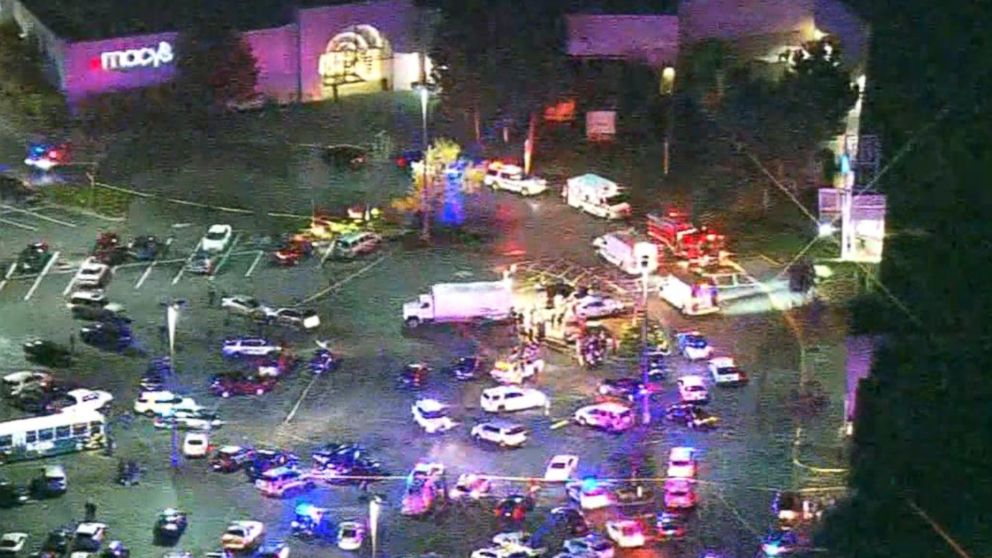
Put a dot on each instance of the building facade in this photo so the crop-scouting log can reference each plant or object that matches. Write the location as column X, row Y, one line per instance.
column 324, row 52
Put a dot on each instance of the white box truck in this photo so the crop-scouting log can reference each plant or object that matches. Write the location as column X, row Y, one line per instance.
column 461, row 302
column 692, row 295
column 628, row 251
column 596, row 196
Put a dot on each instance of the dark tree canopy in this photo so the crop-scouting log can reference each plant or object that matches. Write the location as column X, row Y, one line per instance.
column 923, row 435
column 215, row 65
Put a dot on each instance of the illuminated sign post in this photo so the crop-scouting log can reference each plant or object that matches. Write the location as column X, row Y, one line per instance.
column 123, row 60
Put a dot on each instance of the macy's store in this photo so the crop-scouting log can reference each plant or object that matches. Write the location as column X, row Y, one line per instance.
column 322, row 52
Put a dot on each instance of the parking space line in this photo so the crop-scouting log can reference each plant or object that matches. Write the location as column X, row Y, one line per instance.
column 72, row 282
column 179, row 275
column 327, row 253
column 7, row 276
column 346, row 280
column 19, row 225
column 254, row 263
column 303, row 395
column 227, row 255
column 141, row 280
column 44, row 272
column 39, row 216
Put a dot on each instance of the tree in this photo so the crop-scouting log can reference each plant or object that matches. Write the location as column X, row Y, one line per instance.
column 215, row 65
column 499, row 59
column 425, row 191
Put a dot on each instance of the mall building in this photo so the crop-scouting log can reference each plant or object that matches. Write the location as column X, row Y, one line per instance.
column 309, row 50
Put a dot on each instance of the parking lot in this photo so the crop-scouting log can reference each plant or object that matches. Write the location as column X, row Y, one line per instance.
column 743, row 462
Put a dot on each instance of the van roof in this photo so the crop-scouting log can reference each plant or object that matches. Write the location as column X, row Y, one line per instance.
column 681, row 453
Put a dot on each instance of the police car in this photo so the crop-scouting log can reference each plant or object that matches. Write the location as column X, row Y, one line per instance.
column 692, row 389
column 693, row 345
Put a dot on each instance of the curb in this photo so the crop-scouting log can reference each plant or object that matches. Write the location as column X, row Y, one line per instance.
column 88, row 213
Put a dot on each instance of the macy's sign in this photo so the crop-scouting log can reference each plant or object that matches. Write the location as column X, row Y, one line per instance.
column 137, row 57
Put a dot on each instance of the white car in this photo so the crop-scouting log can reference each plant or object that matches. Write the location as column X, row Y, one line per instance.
column 724, row 372
column 196, row 445
column 188, row 420
column 217, row 239
column 242, row 304
column 693, row 345
column 589, row 545
column 682, row 463
column 503, row 434
column 432, row 416
column 516, row 371
column 12, row 544
column 512, row 398
column 692, row 389
column 86, row 399
column 249, row 346
column 561, row 468
column 472, row 486
column 89, row 536
column 592, row 307
column 242, row 535
column 491, row 552
column 351, row 535
column 589, row 494
column 611, row 416
column 500, row 176
column 16, row 382
column 627, row 533
column 93, row 274
column 152, row 403
column 300, row 319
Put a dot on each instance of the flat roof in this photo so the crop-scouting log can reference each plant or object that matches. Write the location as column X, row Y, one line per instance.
column 92, row 20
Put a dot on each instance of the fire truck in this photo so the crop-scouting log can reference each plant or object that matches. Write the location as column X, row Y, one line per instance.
column 685, row 240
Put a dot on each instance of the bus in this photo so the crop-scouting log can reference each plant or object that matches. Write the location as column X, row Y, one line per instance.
column 38, row 437
column 691, row 294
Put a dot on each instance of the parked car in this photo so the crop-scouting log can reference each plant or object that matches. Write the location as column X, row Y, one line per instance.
column 239, row 384
column 202, row 263
column 217, row 239
column 33, row 258
column 228, row 459
column 291, row 317
column 432, row 416
column 147, row 248
column 351, row 535
column 414, row 375
column 466, row 367
column 196, row 445
column 725, row 372
column 593, row 307
column 50, row 483
column 693, row 345
column 692, row 389
column 291, row 250
column 93, row 274
column 242, row 535
column 89, row 536
column 11, row 495
column 626, row 533
column 47, row 353
column 242, row 304
column 512, row 398
column 472, row 486
column 12, row 544
column 609, row 416
column 682, row 463
column 249, row 346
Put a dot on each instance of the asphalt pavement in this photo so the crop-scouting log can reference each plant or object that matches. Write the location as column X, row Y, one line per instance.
column 742, row 463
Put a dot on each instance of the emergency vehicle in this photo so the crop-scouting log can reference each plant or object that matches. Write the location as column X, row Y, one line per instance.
column 596, row 196
column 629, row 251
column 683, row 239
column 424, row 487
column 692, row 295
column 501, row 176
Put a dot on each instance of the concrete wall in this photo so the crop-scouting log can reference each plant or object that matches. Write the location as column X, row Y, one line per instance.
column 731, row 20
column 85, row 74
column 278, row 61
column 397, row 20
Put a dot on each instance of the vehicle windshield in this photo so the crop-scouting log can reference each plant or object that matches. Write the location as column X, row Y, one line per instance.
column 516, row 431
column 438, row 414
column 696, row 342
column 216, row 235
column 617, row 199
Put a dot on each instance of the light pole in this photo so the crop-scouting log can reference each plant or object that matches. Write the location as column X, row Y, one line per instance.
column 375, row 505
column 425, row 233
column 645, row 396
column 171, row 319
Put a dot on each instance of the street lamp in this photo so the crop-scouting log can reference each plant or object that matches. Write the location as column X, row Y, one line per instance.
column 171, row 319
column 424, row 194
column 645, row 396
column 375, row 505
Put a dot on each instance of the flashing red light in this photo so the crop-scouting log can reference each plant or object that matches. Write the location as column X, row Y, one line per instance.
column 95, row 63
column 53, row 154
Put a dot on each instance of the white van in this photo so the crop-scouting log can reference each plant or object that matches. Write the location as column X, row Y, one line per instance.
column 162, row 402
column 282, row 481
column 16, row 382
column 355, row 244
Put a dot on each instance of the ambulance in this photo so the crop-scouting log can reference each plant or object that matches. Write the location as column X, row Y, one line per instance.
column 691, row 294
column 500, row 176
column 596, row 196
column 629, row 251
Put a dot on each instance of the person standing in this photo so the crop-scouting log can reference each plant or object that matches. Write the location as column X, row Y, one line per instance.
column 72, row 343
column 90, row 511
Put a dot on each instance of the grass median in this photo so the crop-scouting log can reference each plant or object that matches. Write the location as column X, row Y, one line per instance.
column 109, row 203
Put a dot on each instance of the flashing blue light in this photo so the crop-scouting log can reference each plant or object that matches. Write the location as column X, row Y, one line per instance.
column 304, row 509
column 589, row 484
column 845, row 164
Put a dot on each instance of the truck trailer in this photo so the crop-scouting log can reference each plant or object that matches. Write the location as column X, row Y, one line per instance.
column 461, row 302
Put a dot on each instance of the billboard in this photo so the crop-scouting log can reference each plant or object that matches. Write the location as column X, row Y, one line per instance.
column 601, row 125
column 861, row 220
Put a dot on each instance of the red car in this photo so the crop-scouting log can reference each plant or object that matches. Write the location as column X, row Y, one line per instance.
column 109, row 249
column 292, row 251
column 226, row 386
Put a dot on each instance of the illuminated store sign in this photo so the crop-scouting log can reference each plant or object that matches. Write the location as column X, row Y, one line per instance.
column 120, row 60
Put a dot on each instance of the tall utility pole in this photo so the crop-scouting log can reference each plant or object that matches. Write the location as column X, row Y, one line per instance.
column 425, row 233
column 645, row 396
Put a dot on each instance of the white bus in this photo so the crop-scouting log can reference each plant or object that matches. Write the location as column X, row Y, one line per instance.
column 691, row 294
column 37, row 437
